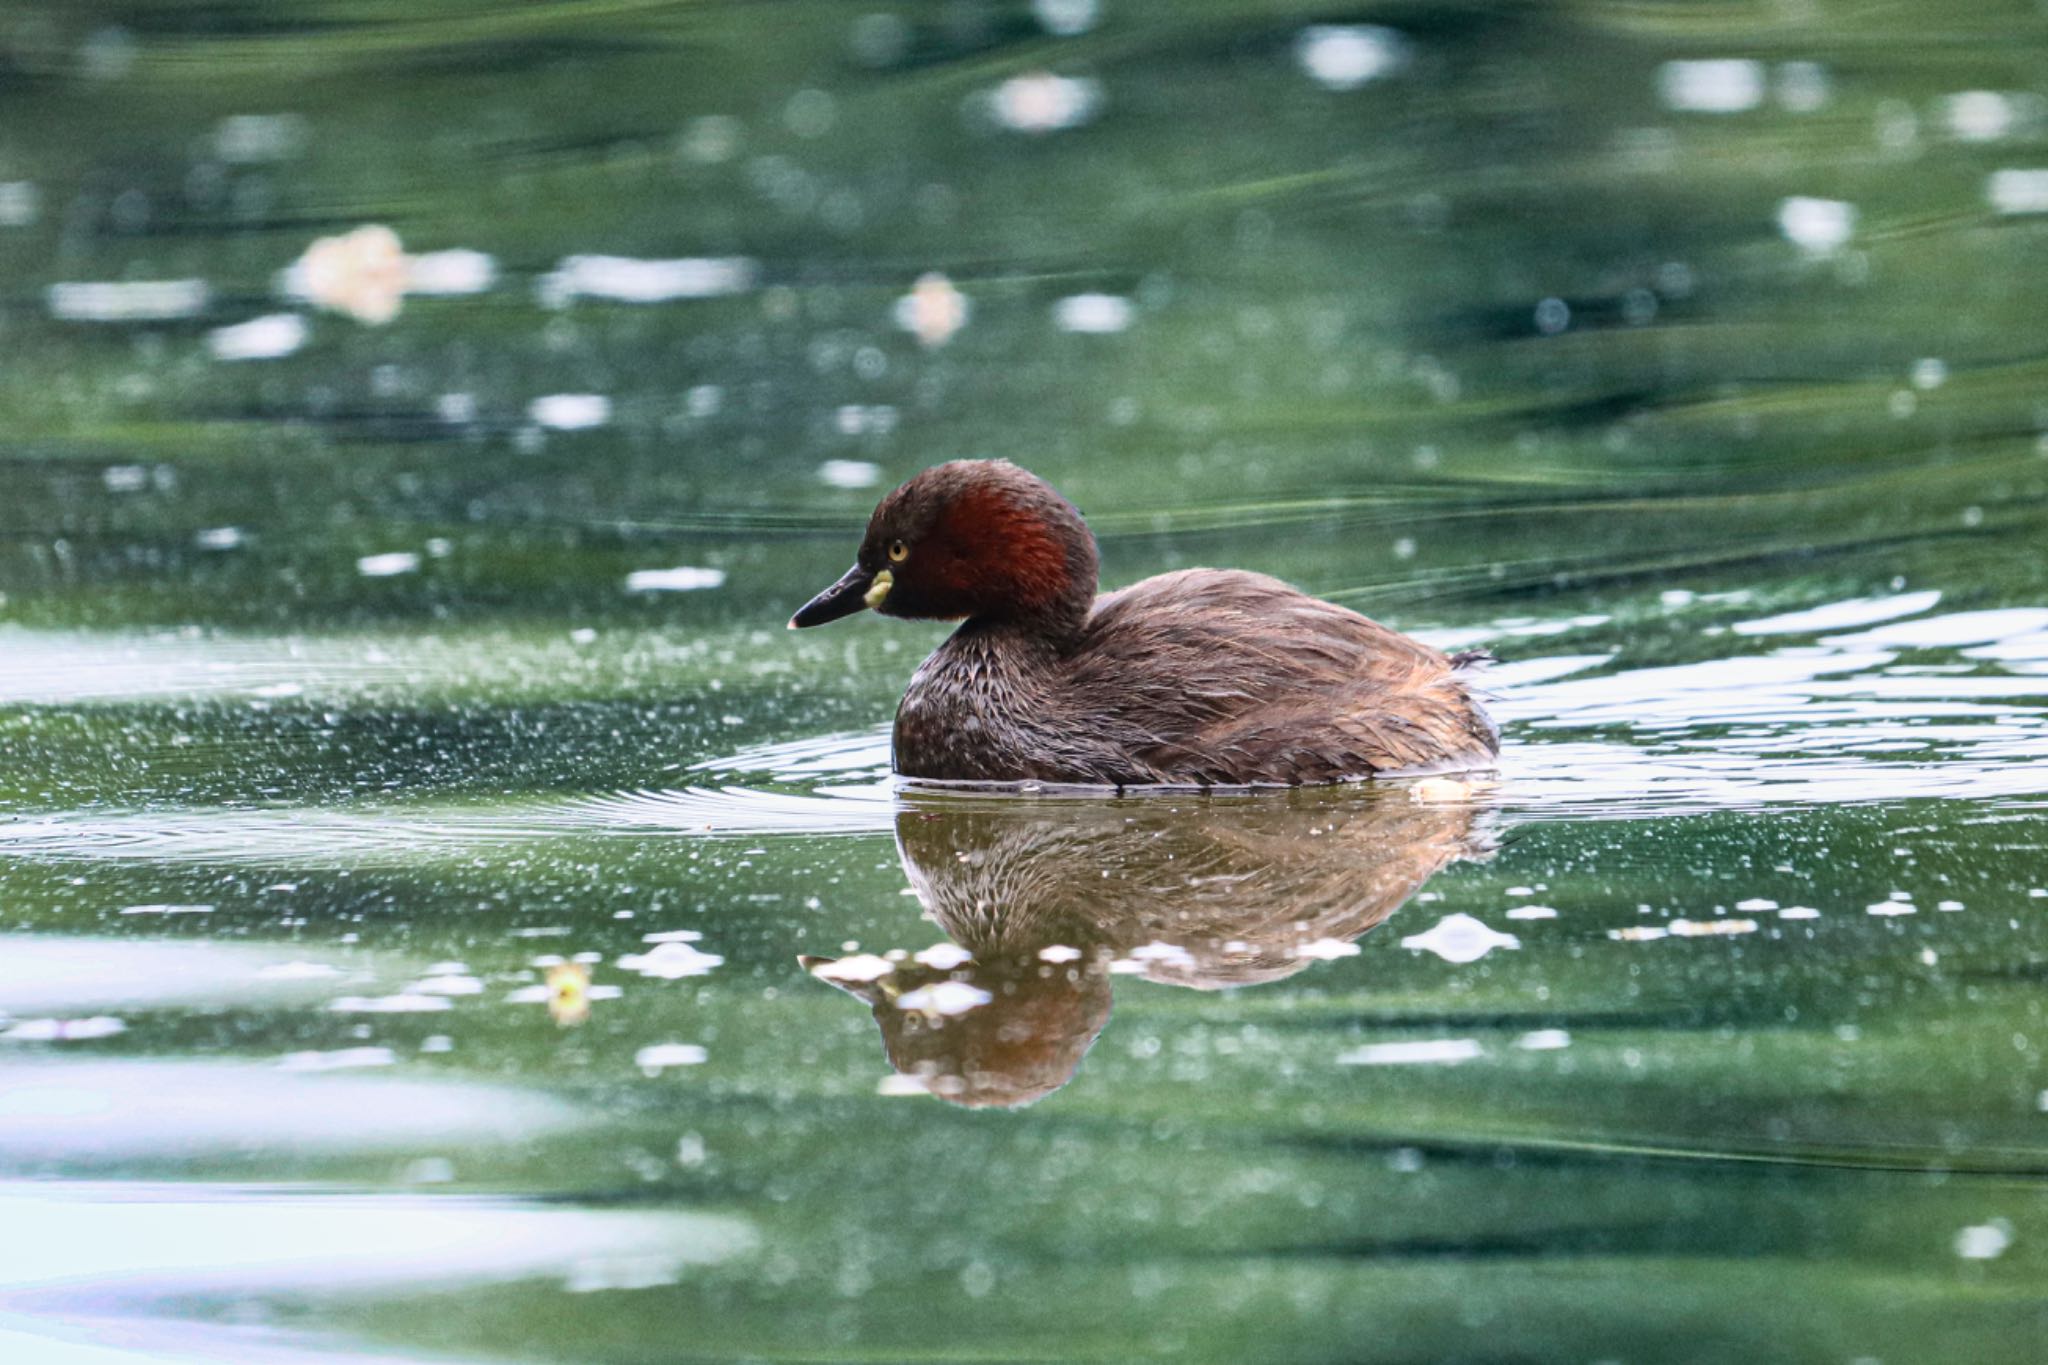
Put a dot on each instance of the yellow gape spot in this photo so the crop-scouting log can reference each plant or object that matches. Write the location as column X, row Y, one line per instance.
column 879, row 589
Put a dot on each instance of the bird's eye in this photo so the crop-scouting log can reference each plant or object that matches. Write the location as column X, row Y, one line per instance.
column 898, row 552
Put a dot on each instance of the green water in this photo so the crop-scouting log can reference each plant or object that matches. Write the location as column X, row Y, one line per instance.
column 402, row 903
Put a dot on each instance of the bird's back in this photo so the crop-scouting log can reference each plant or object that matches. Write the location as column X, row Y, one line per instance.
column 1226, row 677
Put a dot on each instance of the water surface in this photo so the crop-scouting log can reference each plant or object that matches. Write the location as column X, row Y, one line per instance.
column 443, row 916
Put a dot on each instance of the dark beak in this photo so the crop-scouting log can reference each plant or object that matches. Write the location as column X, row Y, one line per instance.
column 843, row 598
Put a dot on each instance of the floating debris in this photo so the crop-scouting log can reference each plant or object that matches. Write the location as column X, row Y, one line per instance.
column 933, row 311
column 406, row 1002
column 944, row 957
column 388, row 565
column 1819, row 227
column 683, row 578
column 1347, row 56
column 570, row 411
column 849, row 474
column 1544, row 1040
column 859, row 969
column 626, row 279
column 2013, row 191
column 1441, row 1051
column 344, row 1059
column 1460, row 939
column 1041, row 102
column 1728, row 85
column 264, row 338
column 128, row 300
column 1093, row 314
column 1711, row 928
column 246, row 139
column 1984, row 1241
column 661, row 1056
column 360, row 273
column 945, row 998
column 63, row 1030
column 671, row 962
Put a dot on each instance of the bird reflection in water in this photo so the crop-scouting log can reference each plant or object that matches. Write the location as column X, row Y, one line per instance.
column 1045, row 901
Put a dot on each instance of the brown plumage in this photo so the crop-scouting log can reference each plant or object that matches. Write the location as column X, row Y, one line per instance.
column 1205, row 677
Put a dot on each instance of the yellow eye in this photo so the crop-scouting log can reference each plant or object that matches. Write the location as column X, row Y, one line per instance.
column 898, row 552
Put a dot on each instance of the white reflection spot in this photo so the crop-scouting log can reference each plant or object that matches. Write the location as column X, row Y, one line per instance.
column 1533, row 912
column 849, row 474
column 1446, row 1051
column 388, row 565
column 1347, row 56
column 671, row 962
column 944, row 957
column 570, row 411
column 1460, row 939
column 264, row 338
column 933, row 310
column 1985, row 1241
column 1818, row 227
column 1544, row 1040
column 1093, row 314
column 947, row 998
column 1041, row 102
column 684, row 578
column 660, row 1056
column 1717, row 86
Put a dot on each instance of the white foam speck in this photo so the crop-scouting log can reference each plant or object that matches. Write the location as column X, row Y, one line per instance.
column 1755, row 904
column 1799, row 912
column 343, row 1059
column 128, row 300
column 408, row 1002
column 849, row 474
column 388, row 565
column 458, row 271
column 264, row 338
column 1890, row 908
column 626, row 279
column 570, row 411
column 1460, row 939
column 946, row 998
column 1435, row 1050
column 1040, row 102
column 1984, row 1241
column 2017, row 191
column 944, row 957
column 671, row 962
column 63, row 1030
column 1533, row 912
column 1347, row 56
column 220, row 538
column 1093, row 314
column 661, row 1056
column 1728, row 85
column 860, row 968
column 1544, row 1040
column 1819, row 227
column 685, row 578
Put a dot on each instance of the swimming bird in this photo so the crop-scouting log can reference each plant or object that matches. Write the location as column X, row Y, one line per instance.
column 1202, row 677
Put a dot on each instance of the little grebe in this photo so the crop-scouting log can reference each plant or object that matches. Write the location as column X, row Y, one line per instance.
column 1206, row 677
